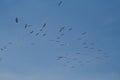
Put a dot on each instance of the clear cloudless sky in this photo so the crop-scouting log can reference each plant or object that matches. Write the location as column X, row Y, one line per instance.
column 31, row 57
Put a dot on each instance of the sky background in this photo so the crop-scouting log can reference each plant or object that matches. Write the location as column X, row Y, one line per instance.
column 31, row 57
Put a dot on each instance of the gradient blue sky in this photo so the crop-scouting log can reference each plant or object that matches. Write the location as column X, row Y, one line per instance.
column 23, row 61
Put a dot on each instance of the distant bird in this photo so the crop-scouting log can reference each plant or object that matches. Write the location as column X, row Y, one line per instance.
column 26, row 26
column 1, row 49
column 31, row 32
column 99, row 50
column 51, row 40
column 60, row 57
column 9, row 42
column 61, row 29
column 57, row 41
column 36, row 34
column 44, row 34
column 16, row 19
column 92, row 48
column 44, row 25
column 85, row 47
column 59, row 4
column 73, row 67
column 70, row 29
column 83, row 33
column 40, row 29
column 78, row 53
column 58, row 37
column 62, row 44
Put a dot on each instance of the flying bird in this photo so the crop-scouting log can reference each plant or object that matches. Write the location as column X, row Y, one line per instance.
column 60, row 57
column 9, row 42
column 84, row 33
column 16, row 19
column 44, row 25
column 60, row 3
column 61, row 29
column 26, row 26
column 44, row 34
column 36, row 34
column 70, row 29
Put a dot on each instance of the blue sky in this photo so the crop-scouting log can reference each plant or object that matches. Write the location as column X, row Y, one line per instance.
column 31, row 57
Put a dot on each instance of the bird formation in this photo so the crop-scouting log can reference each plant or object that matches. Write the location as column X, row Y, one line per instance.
column 86, row 54
column 4, row 48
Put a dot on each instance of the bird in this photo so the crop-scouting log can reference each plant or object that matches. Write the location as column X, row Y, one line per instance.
column 85, row 47
column 16, row 20
column 1, row 49
column 59, row 4
column 70, row 29
column 36, row 34
column 61, row 29
column 83, row 33
column 26, row 26
column 78, row 53
column 44, row 25
column 60, row 57
column 62, row 44
column 44, row 34
column 9, row 42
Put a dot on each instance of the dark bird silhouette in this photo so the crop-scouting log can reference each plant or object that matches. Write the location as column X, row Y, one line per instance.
column 83, row 33
column 16, row 19
column 60, row 57
column 70, row 29
column 26, row 26
column 61, row 29
column 44, row 25
column 60, row 3
column 44, row 34
column 36, row 34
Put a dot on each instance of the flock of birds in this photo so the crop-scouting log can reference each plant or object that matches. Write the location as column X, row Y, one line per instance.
column 72, row 59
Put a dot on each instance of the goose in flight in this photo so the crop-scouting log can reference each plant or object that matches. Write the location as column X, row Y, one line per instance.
column 16, row 19
column 60, row 3
column 61, row 29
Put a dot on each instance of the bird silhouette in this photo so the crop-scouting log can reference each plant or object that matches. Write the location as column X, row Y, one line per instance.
column 59, row 4
column 16, row 19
